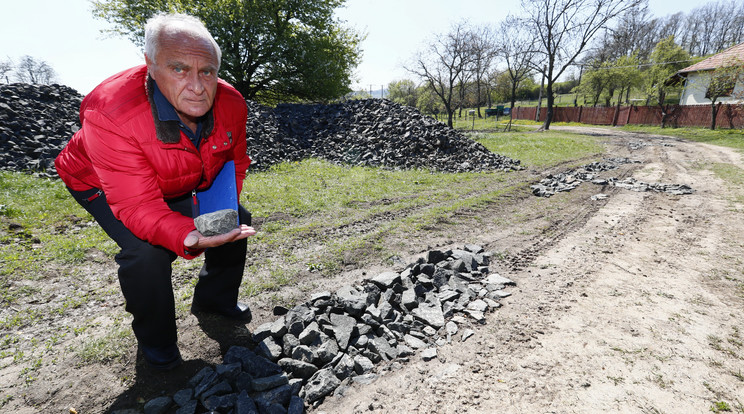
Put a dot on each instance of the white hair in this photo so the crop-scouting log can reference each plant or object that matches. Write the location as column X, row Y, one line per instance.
column 178, row 22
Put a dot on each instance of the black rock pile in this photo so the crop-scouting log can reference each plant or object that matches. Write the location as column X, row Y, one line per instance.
column 322, row 346
column 36, row 121
column 370, row 132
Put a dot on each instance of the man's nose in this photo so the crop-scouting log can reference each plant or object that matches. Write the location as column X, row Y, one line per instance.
column 195, row 83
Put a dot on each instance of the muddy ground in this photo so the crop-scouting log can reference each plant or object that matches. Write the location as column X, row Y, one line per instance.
column 632, row 304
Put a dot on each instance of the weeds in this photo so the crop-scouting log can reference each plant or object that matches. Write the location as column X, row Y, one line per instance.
column 113, row 346
column 720, row 406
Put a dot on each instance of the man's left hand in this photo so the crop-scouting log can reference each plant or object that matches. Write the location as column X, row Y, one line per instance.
column 197, row 241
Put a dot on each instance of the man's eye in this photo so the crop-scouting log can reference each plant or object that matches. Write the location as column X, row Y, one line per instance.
column 177, row 70
column 207, row 72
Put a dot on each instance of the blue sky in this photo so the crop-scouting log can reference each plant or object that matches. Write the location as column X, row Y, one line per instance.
column 65, row 34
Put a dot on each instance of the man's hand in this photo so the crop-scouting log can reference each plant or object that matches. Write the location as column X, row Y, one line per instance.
column 195, row 240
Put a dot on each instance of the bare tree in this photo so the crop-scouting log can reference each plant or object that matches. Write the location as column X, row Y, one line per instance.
column 442, row 63
column 516, row 49
column 30, row 70
column 563, row 29
column 713, row 27
column 484, row 52
column 6, row 66
column 633, row 33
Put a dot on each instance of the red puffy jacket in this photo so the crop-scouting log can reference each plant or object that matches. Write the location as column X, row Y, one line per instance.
column 140, row 162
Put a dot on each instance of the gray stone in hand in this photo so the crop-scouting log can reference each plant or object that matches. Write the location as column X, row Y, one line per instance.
column 218, row 222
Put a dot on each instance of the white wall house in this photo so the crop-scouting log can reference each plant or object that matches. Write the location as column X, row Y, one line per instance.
column 697, row 78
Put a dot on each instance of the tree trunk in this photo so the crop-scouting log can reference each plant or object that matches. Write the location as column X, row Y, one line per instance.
column 714, row 113
column 549, row 107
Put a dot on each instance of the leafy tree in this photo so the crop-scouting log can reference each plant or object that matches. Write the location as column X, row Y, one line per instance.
column 272, row 50
column 403, row 92
column 428, row 102
column 594, row 81
column 722, row 83
column 666, row 60
column 31, row 70
column 563, row 28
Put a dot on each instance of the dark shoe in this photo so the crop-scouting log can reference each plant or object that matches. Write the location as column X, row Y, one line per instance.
column 239, row 312
column 162, row 358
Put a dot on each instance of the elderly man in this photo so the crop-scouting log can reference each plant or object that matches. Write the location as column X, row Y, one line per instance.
column 151, row 137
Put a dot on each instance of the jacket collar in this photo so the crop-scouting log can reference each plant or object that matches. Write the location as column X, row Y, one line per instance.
column 169, row 132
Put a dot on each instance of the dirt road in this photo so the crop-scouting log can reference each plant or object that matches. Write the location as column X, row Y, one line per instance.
column 629, row 304
column 634, row 304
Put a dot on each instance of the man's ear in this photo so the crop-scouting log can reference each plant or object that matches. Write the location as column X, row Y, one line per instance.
column 149, row 64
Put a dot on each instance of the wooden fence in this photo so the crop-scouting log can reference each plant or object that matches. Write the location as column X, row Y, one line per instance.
column 729, row 116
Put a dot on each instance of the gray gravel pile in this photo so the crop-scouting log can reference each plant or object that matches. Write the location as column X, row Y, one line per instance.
column 36, row 121
column 571, row 179
column 336, row 338
column 567, row 181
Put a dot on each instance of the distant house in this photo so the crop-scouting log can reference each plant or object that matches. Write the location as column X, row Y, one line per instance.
column 697, row 78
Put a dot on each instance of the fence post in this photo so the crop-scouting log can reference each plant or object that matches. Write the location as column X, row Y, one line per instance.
column 581, row 109
column 617, row 112
column 630, row 109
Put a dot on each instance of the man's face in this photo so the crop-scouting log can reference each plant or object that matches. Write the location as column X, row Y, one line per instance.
column 186, row 73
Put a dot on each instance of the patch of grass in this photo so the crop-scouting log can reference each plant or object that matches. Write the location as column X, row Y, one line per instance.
column 729, row 173
column 37, row 213
column 6, row 399
column 720, row 406
column 723, row 137
column 113, row 346
column 21, row 318
column 313, row 186
column 541, row 149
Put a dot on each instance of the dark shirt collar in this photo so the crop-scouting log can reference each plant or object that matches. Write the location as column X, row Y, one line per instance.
column 167, row 112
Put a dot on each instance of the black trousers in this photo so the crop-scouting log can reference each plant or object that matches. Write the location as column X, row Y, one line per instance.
column 145, row 271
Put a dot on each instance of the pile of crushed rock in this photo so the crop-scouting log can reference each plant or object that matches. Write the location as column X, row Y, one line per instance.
column 350, row 336
column 36, row 121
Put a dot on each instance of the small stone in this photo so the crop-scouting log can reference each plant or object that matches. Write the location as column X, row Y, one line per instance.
column 451, row 328
column 320, row 385
column 363, row 365
column 158, row 405
column 267, row 383
column 298, row 368
column 183, row 396
column 497, row 279
column 218, row 222
column 414, row 342
column 467, row 334
column 428, row 354
column 189, row 407
column 244, row 404
column 296, row 405
column 386, row 280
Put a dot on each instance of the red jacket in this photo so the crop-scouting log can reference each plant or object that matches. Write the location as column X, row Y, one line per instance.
column 140, row 162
